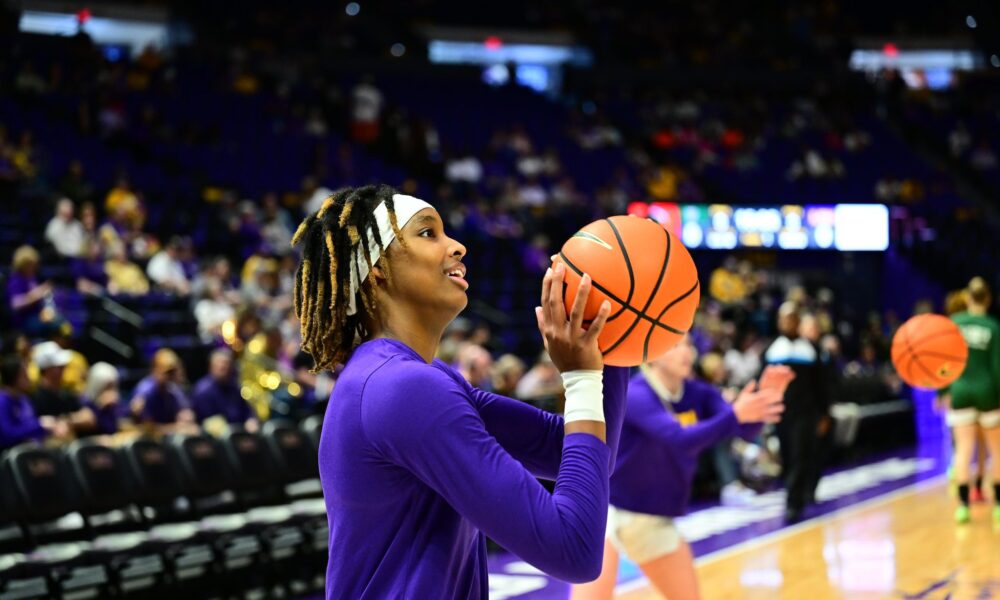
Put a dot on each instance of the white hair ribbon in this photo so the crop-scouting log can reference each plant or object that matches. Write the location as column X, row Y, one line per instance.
column 404, row 207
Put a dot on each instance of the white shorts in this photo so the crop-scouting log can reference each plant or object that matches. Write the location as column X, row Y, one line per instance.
column 642, row 537
column 970, row 416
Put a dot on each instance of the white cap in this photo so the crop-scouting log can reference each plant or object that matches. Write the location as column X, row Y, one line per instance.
column 50, row 354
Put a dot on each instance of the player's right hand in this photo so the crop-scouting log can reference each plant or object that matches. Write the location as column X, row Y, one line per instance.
column 570, row 346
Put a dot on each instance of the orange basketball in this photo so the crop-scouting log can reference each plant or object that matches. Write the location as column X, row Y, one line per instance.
column 929, row 351
column 646, row 274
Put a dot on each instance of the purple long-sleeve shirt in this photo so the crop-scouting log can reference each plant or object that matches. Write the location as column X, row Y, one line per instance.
column 659, row 454
column 418, row 467
column 162, row 402
column 18, row 422
column 212, row 397
column 18, row 285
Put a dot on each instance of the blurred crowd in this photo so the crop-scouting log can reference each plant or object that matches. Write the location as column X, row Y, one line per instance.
column 222, row 247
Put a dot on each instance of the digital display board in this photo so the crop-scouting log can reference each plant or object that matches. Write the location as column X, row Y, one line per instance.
column 787, row 227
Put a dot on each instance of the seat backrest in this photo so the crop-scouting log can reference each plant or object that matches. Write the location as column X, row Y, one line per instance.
column 294, row 453
column 11, row 508
column 313, row 427
column 154, row 470
column 43, row 482
column 251, row 460
column 102, row 476
column 204, row 464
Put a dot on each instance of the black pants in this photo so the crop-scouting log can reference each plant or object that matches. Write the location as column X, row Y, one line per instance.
column 801, row 458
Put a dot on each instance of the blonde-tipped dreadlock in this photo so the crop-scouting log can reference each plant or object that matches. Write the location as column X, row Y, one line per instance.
column 330, row 239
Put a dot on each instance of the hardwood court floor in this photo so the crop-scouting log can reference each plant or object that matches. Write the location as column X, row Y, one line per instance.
column 903, row 546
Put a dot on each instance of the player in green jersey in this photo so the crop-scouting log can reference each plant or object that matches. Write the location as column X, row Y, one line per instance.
column 975, row 396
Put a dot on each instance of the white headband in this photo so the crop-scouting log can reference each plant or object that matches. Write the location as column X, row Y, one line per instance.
column 404, row 207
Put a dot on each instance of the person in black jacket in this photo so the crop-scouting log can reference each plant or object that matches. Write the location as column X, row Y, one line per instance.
column 806, row 421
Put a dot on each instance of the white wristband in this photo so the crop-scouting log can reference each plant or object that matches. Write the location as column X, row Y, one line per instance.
column 584, row 396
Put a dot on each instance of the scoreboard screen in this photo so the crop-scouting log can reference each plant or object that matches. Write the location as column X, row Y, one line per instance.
column 845, row 227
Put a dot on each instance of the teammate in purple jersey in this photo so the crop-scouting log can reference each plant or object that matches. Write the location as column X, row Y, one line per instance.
column 671, row 418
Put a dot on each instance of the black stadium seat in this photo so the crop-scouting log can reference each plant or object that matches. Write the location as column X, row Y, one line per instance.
column 294, row 451
column 46, row 491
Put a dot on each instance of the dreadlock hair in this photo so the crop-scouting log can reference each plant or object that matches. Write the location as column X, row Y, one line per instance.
column 330, row 238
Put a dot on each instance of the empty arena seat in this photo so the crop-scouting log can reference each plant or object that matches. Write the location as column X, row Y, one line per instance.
column 46, row 491
column 251, row 460
column 293, row 450
column 153, row 467
column 203, row 464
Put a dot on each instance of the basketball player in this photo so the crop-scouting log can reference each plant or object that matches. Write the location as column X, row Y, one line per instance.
column 417, row 465
column 669, row 420
column 954, row 303
column 975, row 395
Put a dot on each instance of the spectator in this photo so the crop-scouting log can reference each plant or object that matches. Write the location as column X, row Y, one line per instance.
column 212, row 311
column 18, row 422
column 541, row 382
column 124, row 276
column 64, row 232
column 103, row 397
column 121, row 196
column 218, row 394
column 50, row 398
column 216, row 270
column 475, row 363
column 74, row 376
column 507, row 372
column 263, row 291
column 89, row 271
column 366, row 111
column 30, row 301
column 88, row 221
column 248, row 233
column 743, row 362
column 276, row 226
column 166, row 270
column 314, row 194
column 158, row 399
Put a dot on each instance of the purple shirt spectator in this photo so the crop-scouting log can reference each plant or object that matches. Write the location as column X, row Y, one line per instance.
column 107, row 417
column 18, row 422
column 162, row 402
column 91, row 270
column 212, row 397
column 17, row 285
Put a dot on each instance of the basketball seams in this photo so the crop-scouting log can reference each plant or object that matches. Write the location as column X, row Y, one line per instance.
column 932, row 336
column 942, row 355
column 649, row 300
column 934, row 378
column 612, row 296
column 915, row 358
column 910, row 354
column 628, row 261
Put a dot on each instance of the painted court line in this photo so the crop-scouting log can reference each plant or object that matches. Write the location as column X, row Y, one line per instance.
column 786, row 532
